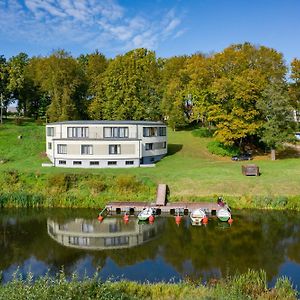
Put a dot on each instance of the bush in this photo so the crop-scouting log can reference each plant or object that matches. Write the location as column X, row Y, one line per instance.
column 203, row 132
column 220, row 149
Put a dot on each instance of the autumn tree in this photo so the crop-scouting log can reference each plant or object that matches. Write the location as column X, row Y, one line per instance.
column 241, row 74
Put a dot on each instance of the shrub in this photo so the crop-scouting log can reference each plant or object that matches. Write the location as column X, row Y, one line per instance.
column 220, row 149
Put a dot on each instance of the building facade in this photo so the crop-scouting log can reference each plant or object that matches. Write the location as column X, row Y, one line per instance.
column 104, row 144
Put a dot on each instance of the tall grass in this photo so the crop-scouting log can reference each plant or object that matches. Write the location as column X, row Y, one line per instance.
column 251, row 285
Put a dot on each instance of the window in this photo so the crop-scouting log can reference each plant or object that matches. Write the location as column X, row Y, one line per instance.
column 50, row 131
column 76, row 162
column 129, row 162
column 114, row 149
column 162, row 131
column 149, row 131
column 87, row 149
column 49, row 146
column 116, row 132
column 111, row 163
column 148, row 146
column 78, row 132
column 62, row 149
column 62, row 162
column 94, row 163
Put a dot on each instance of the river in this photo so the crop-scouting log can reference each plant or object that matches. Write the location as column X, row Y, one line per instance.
column 47, row 241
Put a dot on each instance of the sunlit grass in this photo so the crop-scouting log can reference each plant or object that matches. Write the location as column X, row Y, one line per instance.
column 189, row 169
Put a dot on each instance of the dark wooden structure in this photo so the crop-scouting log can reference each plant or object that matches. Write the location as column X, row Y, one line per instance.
column 250, row 170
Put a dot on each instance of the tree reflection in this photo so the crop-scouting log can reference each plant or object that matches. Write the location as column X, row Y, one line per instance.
column 257, row 240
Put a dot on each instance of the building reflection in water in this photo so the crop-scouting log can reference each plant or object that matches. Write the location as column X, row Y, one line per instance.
column 112, row 233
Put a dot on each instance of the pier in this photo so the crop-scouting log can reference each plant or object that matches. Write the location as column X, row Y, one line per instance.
column 162, row 206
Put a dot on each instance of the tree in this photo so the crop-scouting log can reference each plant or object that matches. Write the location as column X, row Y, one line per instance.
column 128, row 89
column 173, row 81
column 240, row 75
column 294, row 88
column 62, row 79
column 3, row 86
column 276, row 110
column 19, row 88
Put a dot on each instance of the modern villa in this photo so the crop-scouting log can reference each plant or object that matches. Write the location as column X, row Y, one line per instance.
column 105, row 144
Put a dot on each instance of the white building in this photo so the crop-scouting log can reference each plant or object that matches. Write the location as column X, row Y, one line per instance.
column 102, row 144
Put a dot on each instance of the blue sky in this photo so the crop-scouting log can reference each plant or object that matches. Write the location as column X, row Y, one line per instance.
column 176, row 27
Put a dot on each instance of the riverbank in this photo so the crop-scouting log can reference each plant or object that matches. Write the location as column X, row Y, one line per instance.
column 251, row 285
column 191, row 172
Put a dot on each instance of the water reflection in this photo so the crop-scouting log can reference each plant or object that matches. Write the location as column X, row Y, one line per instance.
column 111, row 233
column 41, row 240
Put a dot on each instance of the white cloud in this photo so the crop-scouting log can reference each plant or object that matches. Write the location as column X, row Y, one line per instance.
column 91, row 23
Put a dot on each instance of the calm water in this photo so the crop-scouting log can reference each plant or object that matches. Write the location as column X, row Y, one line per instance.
column 43, row 241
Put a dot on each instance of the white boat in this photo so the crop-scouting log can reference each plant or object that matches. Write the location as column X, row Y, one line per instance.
column 197, row 216
column 146, row 213
column 224, row 214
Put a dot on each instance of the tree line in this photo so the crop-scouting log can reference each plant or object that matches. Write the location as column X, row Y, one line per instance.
column 244, row 92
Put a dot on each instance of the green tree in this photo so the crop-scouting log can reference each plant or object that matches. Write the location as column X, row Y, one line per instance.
column 128, row 89
column 173, row 81
column 61, row 77
column 277, row 112
column 294, row 89
column 4, row 93
column 19, row 88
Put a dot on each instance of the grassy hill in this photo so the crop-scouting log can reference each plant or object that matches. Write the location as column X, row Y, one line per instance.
column 191, row 172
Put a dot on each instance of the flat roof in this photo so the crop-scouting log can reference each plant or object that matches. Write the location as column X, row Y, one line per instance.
column 107, row 122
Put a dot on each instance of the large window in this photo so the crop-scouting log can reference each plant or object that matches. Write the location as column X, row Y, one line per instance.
column 78, row 132
column 116, row 132
column 62, row 149
column 149, row 131
column 114, row 149
column 87, row 149
column 50, row 131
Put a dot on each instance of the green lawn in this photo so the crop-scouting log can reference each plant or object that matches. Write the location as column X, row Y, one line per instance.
column 189, row 169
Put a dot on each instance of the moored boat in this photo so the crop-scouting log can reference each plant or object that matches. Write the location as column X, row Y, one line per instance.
column 197, row 216
column 146, row 213
column 224, row 214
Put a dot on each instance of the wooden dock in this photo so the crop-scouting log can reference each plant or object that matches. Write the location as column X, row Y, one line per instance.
column 169, row 208
column 162, row 206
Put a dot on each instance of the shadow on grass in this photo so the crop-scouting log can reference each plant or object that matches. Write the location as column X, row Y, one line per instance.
column 173, row 148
